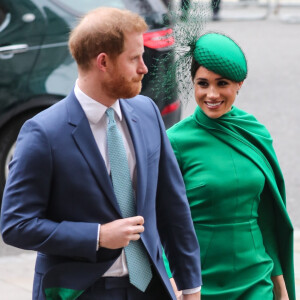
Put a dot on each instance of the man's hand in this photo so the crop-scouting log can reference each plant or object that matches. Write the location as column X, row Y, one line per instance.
column 119, row 233
column 195, row 296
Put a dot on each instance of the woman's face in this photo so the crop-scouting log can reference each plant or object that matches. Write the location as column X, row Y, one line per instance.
column 213, row 93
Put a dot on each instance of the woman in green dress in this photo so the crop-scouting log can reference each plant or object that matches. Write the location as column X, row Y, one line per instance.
column 233, row 183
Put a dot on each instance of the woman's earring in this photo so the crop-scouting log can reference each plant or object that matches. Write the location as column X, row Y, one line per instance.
column 237, row 92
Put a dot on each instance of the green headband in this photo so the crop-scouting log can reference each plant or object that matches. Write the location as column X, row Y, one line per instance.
column 220, row 54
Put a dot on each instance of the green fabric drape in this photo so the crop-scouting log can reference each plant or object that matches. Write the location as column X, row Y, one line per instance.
column 243, row 133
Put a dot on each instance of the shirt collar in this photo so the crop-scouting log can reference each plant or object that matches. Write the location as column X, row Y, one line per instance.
column 93, row 109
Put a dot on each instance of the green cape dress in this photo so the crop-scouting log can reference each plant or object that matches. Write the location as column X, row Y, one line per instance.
column 236, row 194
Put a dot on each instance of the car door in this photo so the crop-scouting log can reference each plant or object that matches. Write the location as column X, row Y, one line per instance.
column 22, row 27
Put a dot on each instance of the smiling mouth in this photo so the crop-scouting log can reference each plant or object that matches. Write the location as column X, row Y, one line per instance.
column 213, row 105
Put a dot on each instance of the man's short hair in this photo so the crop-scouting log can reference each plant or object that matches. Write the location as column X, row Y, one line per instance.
column 103, row 31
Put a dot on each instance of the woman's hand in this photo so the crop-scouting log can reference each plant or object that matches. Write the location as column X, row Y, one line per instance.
column 280, row 288
column 195, row 296
column 178, row 294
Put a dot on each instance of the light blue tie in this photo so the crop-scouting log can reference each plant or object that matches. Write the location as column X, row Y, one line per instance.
column 138, row 264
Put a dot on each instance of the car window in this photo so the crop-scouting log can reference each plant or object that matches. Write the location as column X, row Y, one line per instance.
column 142, row 7
column 80, row 7
column 146, row 7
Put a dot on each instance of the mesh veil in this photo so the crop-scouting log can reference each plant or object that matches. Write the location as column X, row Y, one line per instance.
column 188, row 26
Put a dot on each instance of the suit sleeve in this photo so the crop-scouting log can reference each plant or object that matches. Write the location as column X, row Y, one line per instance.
column 166, row 262
column 174, row 219
column 24, row 222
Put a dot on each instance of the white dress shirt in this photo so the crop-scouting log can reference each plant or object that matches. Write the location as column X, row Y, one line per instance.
column 95, row 113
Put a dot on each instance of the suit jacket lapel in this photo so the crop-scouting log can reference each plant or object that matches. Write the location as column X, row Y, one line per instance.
column 137, row 136
column 86, row 143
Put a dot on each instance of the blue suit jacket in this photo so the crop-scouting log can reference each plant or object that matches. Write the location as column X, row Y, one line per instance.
column 58, row 191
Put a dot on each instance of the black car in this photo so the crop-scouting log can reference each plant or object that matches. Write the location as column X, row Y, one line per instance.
column 37, row 69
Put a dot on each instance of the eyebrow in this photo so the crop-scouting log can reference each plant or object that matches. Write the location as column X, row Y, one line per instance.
column 205, row 79
column 135, row 54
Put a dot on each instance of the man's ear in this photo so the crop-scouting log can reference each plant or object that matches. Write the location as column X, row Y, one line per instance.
column 101, row 61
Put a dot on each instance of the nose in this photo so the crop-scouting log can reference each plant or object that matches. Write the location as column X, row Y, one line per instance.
column 213, row 93
column 142, row 69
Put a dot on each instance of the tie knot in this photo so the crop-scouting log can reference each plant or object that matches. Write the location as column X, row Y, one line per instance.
column 110, row 114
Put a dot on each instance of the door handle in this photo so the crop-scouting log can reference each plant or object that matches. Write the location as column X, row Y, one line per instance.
column 7, row 52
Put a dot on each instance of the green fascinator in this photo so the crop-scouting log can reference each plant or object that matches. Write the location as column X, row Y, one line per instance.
column 220, row 54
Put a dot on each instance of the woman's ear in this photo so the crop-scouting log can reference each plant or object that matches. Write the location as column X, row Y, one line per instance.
column 240, row 84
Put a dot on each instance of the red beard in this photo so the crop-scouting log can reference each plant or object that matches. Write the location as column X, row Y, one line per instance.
column 119, row 87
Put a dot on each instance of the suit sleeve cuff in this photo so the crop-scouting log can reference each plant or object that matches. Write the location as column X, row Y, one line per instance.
column 98, row 234
column 191, row 291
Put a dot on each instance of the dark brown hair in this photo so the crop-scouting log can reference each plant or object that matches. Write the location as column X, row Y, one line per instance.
column 194, row 67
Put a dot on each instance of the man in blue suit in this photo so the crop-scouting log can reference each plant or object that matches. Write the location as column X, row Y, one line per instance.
column 64, row 200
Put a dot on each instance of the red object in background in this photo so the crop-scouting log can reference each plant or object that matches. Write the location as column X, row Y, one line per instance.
column 170, row 108
column 159, row 39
